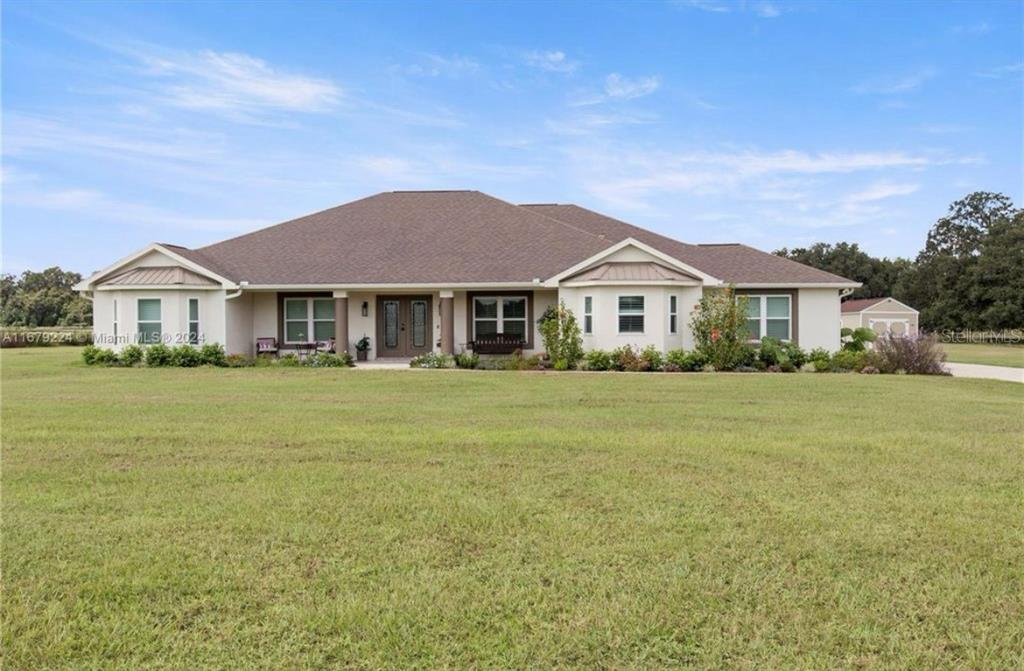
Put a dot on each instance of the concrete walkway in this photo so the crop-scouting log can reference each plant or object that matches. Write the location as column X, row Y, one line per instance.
column 988, row 372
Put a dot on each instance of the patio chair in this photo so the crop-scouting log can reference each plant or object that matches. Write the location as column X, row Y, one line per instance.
column 266, row 346
column 326, row 346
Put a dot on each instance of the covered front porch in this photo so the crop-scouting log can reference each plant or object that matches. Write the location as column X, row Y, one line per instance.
column 398, row 323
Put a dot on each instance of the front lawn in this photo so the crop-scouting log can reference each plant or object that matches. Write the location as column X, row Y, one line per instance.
column 336, row 518
column 990, row 355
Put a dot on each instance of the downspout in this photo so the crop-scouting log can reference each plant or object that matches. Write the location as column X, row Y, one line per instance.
column 241, row 287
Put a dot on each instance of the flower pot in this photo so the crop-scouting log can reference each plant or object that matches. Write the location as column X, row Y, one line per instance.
column 360, row 355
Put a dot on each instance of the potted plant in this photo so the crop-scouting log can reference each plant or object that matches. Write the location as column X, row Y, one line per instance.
column 362, row 348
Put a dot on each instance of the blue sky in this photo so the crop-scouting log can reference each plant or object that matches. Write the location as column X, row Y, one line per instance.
column 772, row 123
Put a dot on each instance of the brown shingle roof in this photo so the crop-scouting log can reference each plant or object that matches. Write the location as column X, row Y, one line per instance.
column 858, row 304
column 407, row 237
column 733, row 263
column 159, row 276
column 438, row 237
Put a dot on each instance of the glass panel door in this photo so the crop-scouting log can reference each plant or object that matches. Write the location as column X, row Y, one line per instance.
column 419, row 323
column 391, row 324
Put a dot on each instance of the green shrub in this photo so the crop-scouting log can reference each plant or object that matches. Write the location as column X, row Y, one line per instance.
column 290, row 360
column 266, row 360
column 598, row 359
column 856, row 340
column 185, row 356
column 239, row 361
column 467, row 360
column 158, row 355
column 100, row 357
column 651, row 358
column 561, row 335
column 774, row 354
column 132, row 355
column 920, row 355
column 89, row 354
column 433, row 360
column 628, row 359
column 820, row 357
column 719, row 326
column 845, row 361
column 797, row 356
column 213, row 355
column 561, row 364
column 518, row 362
column 686, row 362
column 328, row 360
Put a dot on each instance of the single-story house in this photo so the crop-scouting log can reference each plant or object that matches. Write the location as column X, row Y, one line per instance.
column 881, row 315
column 420, row 271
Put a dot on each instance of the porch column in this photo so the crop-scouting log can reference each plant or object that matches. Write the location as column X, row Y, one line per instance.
column 341, row 321
column 447, row 322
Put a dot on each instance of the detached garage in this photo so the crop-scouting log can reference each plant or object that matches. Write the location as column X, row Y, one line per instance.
column 881, row 315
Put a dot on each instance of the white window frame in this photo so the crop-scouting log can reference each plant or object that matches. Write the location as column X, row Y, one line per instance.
column 588, row 315
column 158, row 322
column 673, row 314
column 188, row 320
column 619, row 313
column 310, row 319
column 763, row 318
column 501, row 314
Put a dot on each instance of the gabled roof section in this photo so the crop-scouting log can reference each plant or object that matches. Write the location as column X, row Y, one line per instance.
column 732, row 263
column 631, row 271
column 407, row 237
column 861, row 304
column 173, row 253
column 159, row 276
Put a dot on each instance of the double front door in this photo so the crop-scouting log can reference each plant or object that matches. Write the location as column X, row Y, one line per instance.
column 404, row 326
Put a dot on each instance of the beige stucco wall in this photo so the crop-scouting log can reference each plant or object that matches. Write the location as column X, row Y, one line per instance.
column 819, row 319
column 173, row 315
column 656, row 310
column 238, row 317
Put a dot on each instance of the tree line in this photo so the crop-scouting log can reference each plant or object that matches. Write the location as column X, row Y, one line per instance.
column 43, row 299
column 970, row 274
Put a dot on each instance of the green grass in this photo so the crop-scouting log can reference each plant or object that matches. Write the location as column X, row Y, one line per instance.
column 990, row 355
column 305, row 519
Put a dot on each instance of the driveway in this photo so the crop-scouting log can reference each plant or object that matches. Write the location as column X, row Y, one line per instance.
column 989, row 372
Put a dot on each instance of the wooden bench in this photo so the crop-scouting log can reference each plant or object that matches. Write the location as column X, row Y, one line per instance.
column 499, row 343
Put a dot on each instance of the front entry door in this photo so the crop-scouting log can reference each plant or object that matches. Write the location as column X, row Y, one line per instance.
column 404, row 326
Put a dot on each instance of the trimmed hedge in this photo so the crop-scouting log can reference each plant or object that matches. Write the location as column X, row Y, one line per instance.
column 187, row 356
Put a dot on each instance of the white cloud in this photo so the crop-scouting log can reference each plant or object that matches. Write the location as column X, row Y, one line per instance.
column 881, row 191
column 101, row 206
column 635, row 179
column 435, row 65
column 980, row 28
column 767, row 10
column 892, row 84
column 622, row 88
column 1014, row 69
column 239, row 83
column 619, row 88
column 552, row 61
column 764, row 10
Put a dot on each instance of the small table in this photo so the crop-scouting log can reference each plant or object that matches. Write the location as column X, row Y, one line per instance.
column 304, row 349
